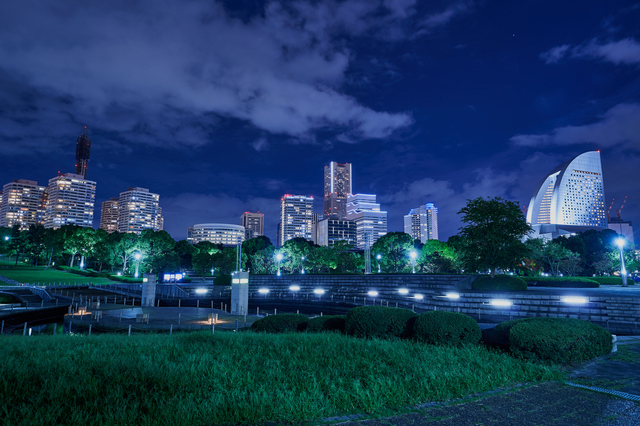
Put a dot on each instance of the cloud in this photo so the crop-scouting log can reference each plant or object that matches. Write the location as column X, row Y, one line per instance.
column 620, row 125
column 625, row 51
column 161, row 74
column 260, row 144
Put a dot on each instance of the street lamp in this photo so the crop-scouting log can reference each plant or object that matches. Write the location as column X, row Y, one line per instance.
column 279, row 259
column 413, row 255
column 623, row 270
column 378, row 256
column 138, row 256
column 213, row 279
column 302, row 265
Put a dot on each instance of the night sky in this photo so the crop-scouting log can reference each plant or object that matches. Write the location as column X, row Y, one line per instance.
column 223, row 107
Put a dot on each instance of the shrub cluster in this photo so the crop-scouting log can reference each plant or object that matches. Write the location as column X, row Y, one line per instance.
column 565, row 282
column 378, row 321
column 334, row 323
column 609, row 280
column 557, row 340
column 500, row 283
column 446, row 328
column 282, row 323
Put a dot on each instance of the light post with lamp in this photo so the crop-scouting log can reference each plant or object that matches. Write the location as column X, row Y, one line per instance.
column 413, row 255
column 623, row 270
column 378, row 257
column 279, row 259
column 302, row 265
column 213, row 279
column 137, row 256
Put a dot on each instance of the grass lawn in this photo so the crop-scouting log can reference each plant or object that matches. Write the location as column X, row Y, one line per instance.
column 37, row 275
column 236, row 378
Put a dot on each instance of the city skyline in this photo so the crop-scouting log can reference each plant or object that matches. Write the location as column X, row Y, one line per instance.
column 430, row 103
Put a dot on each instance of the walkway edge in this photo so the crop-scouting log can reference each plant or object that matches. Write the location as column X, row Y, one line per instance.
column 624, row 395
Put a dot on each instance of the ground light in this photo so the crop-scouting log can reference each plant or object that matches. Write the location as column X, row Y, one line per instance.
column 263, row 291
column 201, row 290
column 319, row 291
column 575, row 300
column 418, row 297
column 372, row 293
column 294, row 288
column 500, row 302
column 452, row 296
column 403, row 291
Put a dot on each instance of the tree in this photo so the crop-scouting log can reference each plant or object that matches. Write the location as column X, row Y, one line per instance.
column 185, row 251
column 293, row 251
column 394, row 248
column 155, row 246
column 492, row 237
column 125, row 246
column 252, row 246
column 203, row 259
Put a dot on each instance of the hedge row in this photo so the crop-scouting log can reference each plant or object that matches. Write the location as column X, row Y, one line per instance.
column 499, row 283
column 565, row 282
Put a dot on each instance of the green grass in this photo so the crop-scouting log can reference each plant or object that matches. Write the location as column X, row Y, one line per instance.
column 237, row 378
column 37, row 275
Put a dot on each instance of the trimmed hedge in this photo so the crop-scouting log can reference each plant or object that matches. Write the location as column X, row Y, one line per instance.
column 610, row 280
column 378, row 321
column 281, row 323
column 335, row 323
column 557, row 340
column 500, row 283
column 565, row 282
column 446, row 328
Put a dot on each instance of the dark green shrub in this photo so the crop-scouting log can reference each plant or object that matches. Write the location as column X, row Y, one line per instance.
column 500, row 283
column 565, row 282
column 327, row 323
column 378, row 321
column 609, row 280
column 499, row 335
column 224, row 279
column 446, row 328
column 558, row 340
column 282, row 323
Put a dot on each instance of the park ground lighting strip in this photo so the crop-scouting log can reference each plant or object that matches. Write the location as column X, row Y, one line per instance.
column 575, row 300
column 294, row 288
column 201, row 290
column 501, row 302
column 372, row 293
column 403, row 291
column 263, row 291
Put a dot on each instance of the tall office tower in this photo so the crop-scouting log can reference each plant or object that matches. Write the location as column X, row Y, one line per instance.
column 296, row 216
column 138, row 209
column 83, row 152
column 330, row 230
column 370, row 220
column 279, row 234
column 22, row 204
column 337, row 185
column 570, row 199
column 70, row 201
column 422, row 223
column 253, row 224
column 216, row 233
column 109, row 215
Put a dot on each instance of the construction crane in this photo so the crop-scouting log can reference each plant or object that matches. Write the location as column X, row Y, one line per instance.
column 619, row 211
column 609, row 209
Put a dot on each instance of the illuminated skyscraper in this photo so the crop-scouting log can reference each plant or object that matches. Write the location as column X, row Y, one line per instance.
column 139, row 209
column 369, row 219
column 109, row 215
column 337, row 185
column 22, row 204
column 570, row 199
column 422, row 223
column 70, row 201
column 83, row 152
column 253, row 224
column 296, row 217
column 216, row 233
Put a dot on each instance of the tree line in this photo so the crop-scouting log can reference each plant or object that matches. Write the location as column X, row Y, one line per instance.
column 492, row 239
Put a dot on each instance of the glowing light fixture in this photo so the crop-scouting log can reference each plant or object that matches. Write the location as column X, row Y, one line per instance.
column 501, row 302
column 318, row 291
column 201, row 291
column 294, row 288
column 263, row 291
column 372, row 293
column 418, row 297
column 452, row 296
column 575, row 300
column 403, row 291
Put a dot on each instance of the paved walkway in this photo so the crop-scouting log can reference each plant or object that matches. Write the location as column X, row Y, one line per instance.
column 543, row 404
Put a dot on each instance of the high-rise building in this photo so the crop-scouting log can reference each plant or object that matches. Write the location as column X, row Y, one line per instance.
column 216, row 233
column 253, row 224
column 330, row 230
column 83, row 152
column 22, row 204
column 422, row 223
column 296, row 217
column 70, row 201
column 570, row 199
column 109, row 215
column 337, row 185
column 139, row 209
column 370, row 221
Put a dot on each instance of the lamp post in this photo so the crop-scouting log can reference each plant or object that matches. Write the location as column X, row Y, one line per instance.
column 302, row 265
column 279, row 259
column 623, row 270
column 413, row 255
column 138, row 256
column 213, row 279
column 378, row 257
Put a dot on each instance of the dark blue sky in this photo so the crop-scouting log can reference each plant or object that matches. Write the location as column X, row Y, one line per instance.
column 223, row 107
